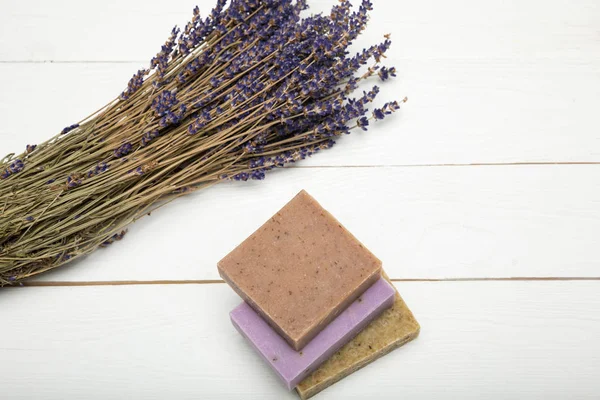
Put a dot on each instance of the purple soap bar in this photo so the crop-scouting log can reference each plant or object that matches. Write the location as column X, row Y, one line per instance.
column 293, row 366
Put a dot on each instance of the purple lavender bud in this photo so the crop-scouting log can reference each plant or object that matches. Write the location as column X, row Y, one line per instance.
column 258, row 162
column 161, row 60
column 13, row 168
column 242, row 176
column 394, row 106
column 98, row 169
column 16, row 166
column 368, row 97
column 134, row 84
column 385, row 73
column 149, row 136
column 164, row 102
column 215, row 82
column 362, row 123
column 73, row 181
column 381, row 50
column 115, row 237
column 123, row 150
column 69, row 129
column 258, row 175
column 192, row 129
column 30, row 148
column 378, row 114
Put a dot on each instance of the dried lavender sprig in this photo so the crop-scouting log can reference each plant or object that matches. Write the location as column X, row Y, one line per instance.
column 248, row 89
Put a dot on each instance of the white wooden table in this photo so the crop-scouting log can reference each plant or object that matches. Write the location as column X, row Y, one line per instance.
column 482, row 198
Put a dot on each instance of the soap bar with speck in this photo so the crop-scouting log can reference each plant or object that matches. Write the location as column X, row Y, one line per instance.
column 300, row 270
column 392, row 329
column 293, row 366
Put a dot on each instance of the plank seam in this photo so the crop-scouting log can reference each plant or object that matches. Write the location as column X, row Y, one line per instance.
column 73, row 62
column 218, row 281
column 479, row 164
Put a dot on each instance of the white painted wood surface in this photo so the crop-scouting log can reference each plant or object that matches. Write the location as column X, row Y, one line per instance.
column 505, row 340
column 434, row 222
column 491, row 82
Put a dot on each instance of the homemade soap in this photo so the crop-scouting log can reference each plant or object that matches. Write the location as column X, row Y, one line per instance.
column 393, row 328
column 292, row 366
column 300, row 270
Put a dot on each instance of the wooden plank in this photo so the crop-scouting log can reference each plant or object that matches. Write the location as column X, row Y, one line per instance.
column 68, row 30
column 442, row 222
column 486, row 82
column 38, row 100
column 478, row 340
column 110, row 30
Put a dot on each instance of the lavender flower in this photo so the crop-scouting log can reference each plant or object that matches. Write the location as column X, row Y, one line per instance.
column 161, row 60
column 385, row 73
column 134, row 84
column 73, row 181
column 387, row 109
column 113, row 238
column 16, row 166
column 378, row 113
column 149, row 136
column 98, row 169
column 200, row 122
column 164, row 102
column 362, row 123
column 13, row 168
column 123, row 150
column 69, row 129
column 144, row 169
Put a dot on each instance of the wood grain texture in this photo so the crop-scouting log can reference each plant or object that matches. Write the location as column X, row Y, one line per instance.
column 486, row 82
column 493, row 340
column 462, row 222
column 61, row 30
column 459, row 112
column 491, row 82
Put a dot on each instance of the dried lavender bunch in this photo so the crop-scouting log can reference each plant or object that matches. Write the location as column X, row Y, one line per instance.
column 249, row 88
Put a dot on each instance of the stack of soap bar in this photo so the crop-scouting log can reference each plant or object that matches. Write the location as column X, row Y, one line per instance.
column 300, row 270
column 293, row 366
column 395, row 327
column 309, row 287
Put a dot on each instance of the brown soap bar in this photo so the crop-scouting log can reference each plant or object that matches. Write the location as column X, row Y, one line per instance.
column 300, row 270
column 393, row 328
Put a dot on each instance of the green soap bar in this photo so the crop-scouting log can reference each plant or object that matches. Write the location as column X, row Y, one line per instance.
column 395, row 327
